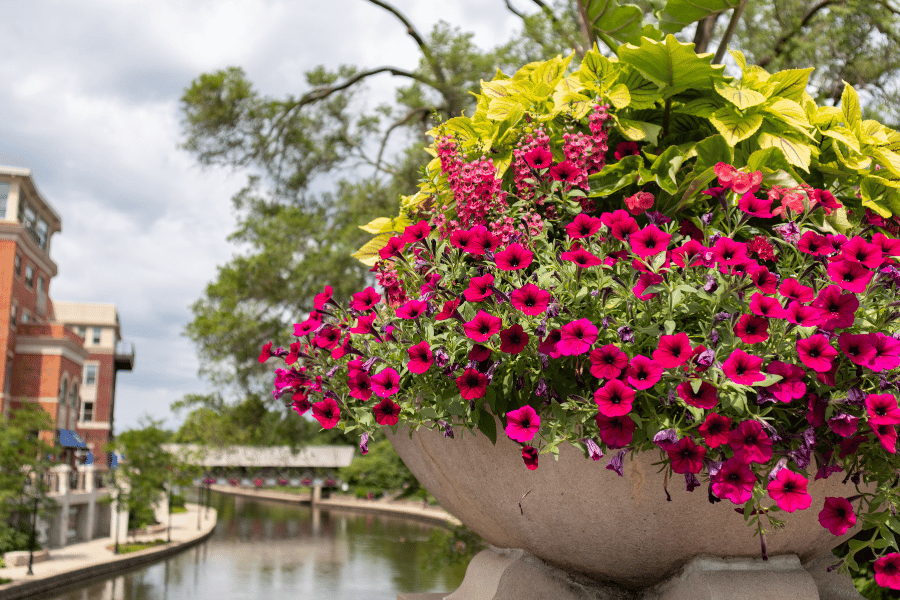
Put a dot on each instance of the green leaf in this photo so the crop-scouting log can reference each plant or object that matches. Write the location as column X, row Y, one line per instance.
column 665, row 168
column 644, row 93
column 881, row 198
column 791, row 83
column 638, row 131
column 700, row 107
column 669, row 326
column 618, row 95
column 739, row 96
column 712, row 150
column 678, row 14
column 368, row 254
column 696, row 384
column 674, row 66
column 596, row 68
column 735, row 126
column 769, row 380
column 428, row 412
column 850, row 108
column 488, row 425
column 791, row 113
column 615, row 176
column 797, row 152
column 844, row 135
column 887, row 159
column 621, row 22
column 501, row 108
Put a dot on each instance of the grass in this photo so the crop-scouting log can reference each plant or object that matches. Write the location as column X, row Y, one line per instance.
column 128, row 548
column 178, row 509
column 290, row 490
column 4, row 580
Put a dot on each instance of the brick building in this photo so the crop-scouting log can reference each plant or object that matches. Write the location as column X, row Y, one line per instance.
column 44, row 359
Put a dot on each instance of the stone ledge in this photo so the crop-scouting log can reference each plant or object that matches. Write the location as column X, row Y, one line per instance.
column 20, row 558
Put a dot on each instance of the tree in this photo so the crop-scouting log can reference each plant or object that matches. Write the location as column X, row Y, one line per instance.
column 298, row 240
column 22, row 452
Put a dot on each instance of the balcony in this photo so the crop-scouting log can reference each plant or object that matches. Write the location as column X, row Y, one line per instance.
column 123, row 359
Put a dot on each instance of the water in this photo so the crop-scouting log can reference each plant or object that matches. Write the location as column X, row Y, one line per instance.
column 270, row 551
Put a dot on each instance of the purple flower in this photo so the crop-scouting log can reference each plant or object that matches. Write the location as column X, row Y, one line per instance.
column 691, row 482
column 364, row 443
column 448, row 430
column 666, row 438
column 711, row 284
column 593, row 449
column 789, row 232
column 707, row 218
column 626, row 334
column 657, row 218
column 441, row 358
column 541, row 389
column 617, row 462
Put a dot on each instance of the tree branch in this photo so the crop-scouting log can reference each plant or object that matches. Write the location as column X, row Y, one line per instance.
column 513, row 10
column 411, row 30
column 732, row 25
column 778, row 49
column 424, row 110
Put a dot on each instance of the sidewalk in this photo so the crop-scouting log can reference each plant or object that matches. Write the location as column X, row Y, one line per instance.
column 405, row 508
column 80, row 562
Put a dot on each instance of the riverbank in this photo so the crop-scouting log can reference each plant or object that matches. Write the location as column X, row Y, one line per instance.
column 77, row 563
column 406, row 508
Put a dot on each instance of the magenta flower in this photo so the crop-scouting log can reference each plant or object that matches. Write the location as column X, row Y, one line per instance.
column 815, row 244
column 463, row 239
column 686, row 456
column 882, row 408
column 583, row 226
column 417, row 232
column 393, row 248
column 816, row 353
column 673, row 350
column 365, row 300
column 733, row 481
column 857, row 347
column 326, row 412
column 862, row 252
column 843, row 424
column 649, row 241
column 791, row 289
column 614, row 399
column 387, row 412
column 321, row 299
column 643, row 373
column 766, row 306
column 364, row 324
column 515, row 257
column 886, row 434
column 836, row 310
column 791, row 385
column 479, row 288
column 743, row 368
column 513, row 339
column 530, row 457
column 360, row 385
column 643, row 282
column 837, row 515
column 479, row 353
column 522, row 424
column 448, row 311
column 300, row 403
column 412, row 310
column 608, row 362
column 887, row 352
column 765, row 282
column 564, row 171
column 716, row 430
column 538, row 158
column 549, row 345
column 482, row 241
column 626, row 149
column 889, row 246
column 620, row 223
column 758, row 207
column 482, row 327
column 805, row 316
column 726, row 251
column 420, row 358
column 530, row 299
column 752, row 329
column 266, row 352
column 328, row 338
column 689, row 254
column 788, row 490
column 386, row 382
column 887, row 571
column 750, row 442
column 581, row 257
column 849, row 275
column 472, row 384
column 705, row 397
column 576, row 337
column 615, row 432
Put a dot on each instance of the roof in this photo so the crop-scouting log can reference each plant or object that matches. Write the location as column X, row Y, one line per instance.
column 254, row 456
column 85, row 313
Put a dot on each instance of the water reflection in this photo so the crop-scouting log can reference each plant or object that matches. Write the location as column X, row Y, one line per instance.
column 269, row 551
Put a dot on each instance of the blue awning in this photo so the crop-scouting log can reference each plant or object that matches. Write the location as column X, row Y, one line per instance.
column 70, row 439
column 89, row 459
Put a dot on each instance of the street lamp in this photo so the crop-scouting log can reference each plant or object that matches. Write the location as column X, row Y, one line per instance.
column 169, row 506
column 33, row 538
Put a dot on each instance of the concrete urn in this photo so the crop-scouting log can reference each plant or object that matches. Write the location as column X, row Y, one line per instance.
column 586, row 520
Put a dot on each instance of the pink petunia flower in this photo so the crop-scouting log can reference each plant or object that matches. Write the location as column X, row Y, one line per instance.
column 757, row 207
column 837, row 515
column 472, row 384
column 705, row 397
column 326, row 412
column 816, row 353
column 515, row 257
column 766, row 306
column 387, row 412
column 887, row 352
column 743, row 368
column 849, row 275
column 480, row 288
column 462, row 239
column 673, row 350
column 615, row 432
column 620, row 223
column 386, row 382
column 328, row 338
column 614, row 398
column 482, row 241
column 649, row 241
column 689, row 254
column 538, row 158
column 513, row 339
column 417, row 232
column 716, row 430
column 360, row 385
column 448, row 311
column 886, row 434
column 752, row 329
column 843, row 424
column 482, row 327
column 300, row 403
column 522, row 424
column 530, row 457
column 420, row 358
column 733, row 481
column 626, row 149
column 479, row 353
column 862, row 252
column 882, row 408
column 549, row 345
column 887, row 571
column 644, row 281
column 750, row 442
column 393, row 248
column 764, row 281
column 576, row 337
column 726, row 251
column 564, row 171
column 792, row 289
column 788, row 490
column 643, row 373
column 791, row 386
column 412, row 310
column 581, row 257
column 365, row 300
column 686, row 456
column 608, row 362
column 530, row 299
column 583, row 226
column 857, row 347
column 836, row 310
column 815, row 244
column 805, row 316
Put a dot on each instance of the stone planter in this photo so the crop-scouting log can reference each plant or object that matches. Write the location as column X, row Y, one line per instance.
column 20, row 558
column 582, row 519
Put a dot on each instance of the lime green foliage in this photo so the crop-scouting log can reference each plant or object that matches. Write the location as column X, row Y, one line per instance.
column 127, row 548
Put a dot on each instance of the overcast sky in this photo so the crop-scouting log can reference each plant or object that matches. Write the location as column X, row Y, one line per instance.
column 89, row 101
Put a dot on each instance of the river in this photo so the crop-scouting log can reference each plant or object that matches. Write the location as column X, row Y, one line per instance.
column 264, row 550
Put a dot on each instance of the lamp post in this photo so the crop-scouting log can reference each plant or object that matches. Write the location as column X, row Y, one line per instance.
column 118, row 511
column 33, row 539
column 199, row 501
column 169, row 506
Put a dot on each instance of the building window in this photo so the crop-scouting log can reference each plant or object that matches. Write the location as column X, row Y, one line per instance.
column 73, row 395
column 90, row 374
column 87, row 411
column 96, row 335
column 25, row 316
column 29, row 275
column 7, row 382
column 82, row 332
column 18, row 266
column 13, row 314
column 63, row 391
column 41, row 232
column 4, row 196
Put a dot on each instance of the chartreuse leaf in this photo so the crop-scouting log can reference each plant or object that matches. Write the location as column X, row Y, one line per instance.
column 873, row 132
column 843, row 135
column 881, row 198
column 501, row 89
column 487, row 425
column 610, row 19
column 665, row 168
column 700, row 107
column 791, row 113
column 644, row 93
column 887, row 159
column 618, row 95
column 502, row 108
column 596, row 68
column 769, row 380
column 615, row 176
column 850, row 108
column 638, row 131
column 368, row 254
column 735, row 126
column 677, row 14
column 674, row 66
column 790, row 84
column 739, row 96
column 711, row 151
column 796, row 151
column 386, row 225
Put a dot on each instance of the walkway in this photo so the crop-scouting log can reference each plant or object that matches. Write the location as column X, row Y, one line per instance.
column 405, row 508
column 80, row 562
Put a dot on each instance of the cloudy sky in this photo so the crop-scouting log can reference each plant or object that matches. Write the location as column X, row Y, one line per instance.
column 90, row 103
